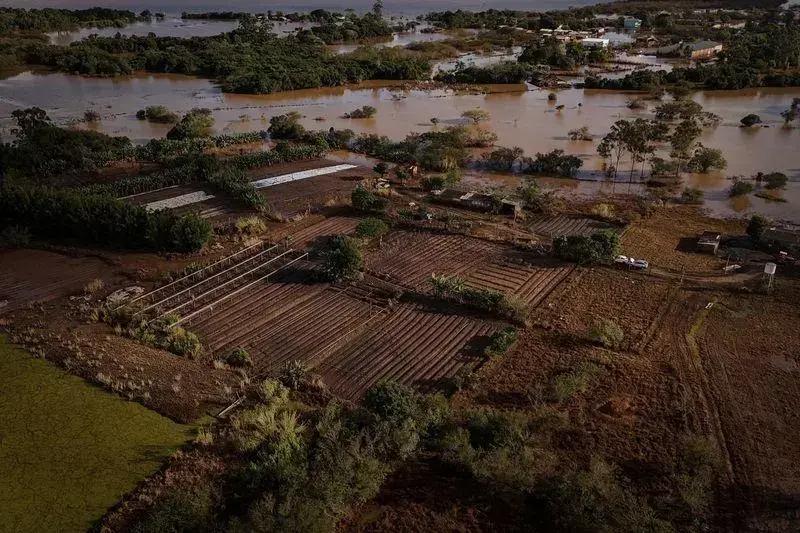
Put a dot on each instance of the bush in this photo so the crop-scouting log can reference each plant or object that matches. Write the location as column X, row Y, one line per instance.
column 750, row 120
column 239, row 357
column 196, row 123
column 575, row 381
column 501, row 341
column 606, row 333
column 250, row 225
column 601, row 247
column 190, row 232
column 455, row 288
column 157, row 113
column 94, row 286
column 182, row 510
column 371, row 228
column 183, row 343
column 391, row 401
column 775, row 180
column 293, row 375
column 286, row 126
column 366, row 111
column 740, row 188
column 756, row 227
column 343, row 259
column 366, row 201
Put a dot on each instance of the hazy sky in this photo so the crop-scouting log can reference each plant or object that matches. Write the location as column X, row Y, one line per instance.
column 391, row 6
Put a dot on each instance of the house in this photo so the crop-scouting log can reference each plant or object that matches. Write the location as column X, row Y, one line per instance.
column 698, row 50
column 631, row 23
column 594, row 42
column 704, row 49
column 708, row 242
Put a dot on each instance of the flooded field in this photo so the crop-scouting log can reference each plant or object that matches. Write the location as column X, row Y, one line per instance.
column 520, row 115
column 68, row 450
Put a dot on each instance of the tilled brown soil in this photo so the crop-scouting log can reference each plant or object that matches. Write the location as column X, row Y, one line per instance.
column 666, row 238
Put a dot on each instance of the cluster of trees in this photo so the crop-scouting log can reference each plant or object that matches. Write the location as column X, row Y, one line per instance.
column 99, row 220
column 761, row 55
column 352, row 29
column 553, row 163
column 576, row 19
column 456, row 289
column 366, row 111
column 599, row 248
column 550, row 51
column 195, row 124
column 505, row 72
column 249, row 59
column 50, row 19
column 41, row 149
column 434, row 150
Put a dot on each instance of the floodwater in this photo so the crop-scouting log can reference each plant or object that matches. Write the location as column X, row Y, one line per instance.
column 394, row 7
column 520, row 115
column 170, row 26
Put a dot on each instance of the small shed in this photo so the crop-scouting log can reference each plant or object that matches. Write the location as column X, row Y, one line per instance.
column 709, row 242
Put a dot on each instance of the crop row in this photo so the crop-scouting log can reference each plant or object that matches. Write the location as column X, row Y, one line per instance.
column 562, row 226
column 410, row 259
column 530, row 284
column 413, row 346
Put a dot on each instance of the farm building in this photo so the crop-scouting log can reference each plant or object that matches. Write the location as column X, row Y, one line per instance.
column 631, row 23
column 594, row 42
column 709, row 242
column 698, row 50
column 479, row 202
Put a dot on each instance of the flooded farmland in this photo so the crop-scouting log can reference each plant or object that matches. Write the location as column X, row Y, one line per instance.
column 70, row 450
column 520, row 115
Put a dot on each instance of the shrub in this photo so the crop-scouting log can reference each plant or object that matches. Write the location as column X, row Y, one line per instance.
column 574, row 381
column 286, row 126
column 239, row 357
column 183, row 343
column 180, row 510
column 366, row 111
column 252, row 225
column 456, row 289
column 775, row 180
column 190, row 233
column 501, row 341
column 272, row 392
column 94, row 286
column 157, row 113
column 756, row 227
column 740, row 188
column 293, row 375
column 196, row 123
column 750, row 120
column 343, row 259
column 606, row 333
column 476, row 115
column 601, row 247
column 392, row 401
column 366, row 201
column 371, row 228
column 90, row 115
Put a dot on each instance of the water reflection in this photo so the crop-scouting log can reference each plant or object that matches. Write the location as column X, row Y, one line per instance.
column 520, row 115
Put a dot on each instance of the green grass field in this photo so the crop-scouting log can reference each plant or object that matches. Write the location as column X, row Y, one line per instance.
column 69, row 450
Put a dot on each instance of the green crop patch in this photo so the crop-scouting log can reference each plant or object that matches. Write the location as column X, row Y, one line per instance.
column 69, row 450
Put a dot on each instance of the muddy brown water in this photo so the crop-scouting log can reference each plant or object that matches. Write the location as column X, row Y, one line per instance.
column 521, row 116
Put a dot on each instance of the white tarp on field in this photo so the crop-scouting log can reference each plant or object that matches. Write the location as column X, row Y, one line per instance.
column 179, row 201
column 295, row 176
